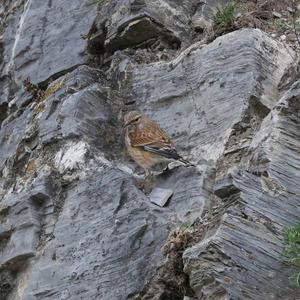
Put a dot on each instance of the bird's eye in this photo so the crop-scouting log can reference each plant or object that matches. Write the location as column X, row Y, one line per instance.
column 136, row 119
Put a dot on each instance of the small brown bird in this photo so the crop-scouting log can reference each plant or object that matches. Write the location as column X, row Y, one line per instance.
column 147, row 143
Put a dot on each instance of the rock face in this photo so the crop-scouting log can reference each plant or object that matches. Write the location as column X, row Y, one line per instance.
column 74, row 224
column 47, row 38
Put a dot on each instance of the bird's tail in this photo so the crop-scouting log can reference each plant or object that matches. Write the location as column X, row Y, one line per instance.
column 186, row 162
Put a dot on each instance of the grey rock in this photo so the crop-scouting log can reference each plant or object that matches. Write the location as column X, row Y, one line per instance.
column 43, row 39
column 21, row 239
column 138, row 30
column 233, row 143
column 122, row 24
column 205, row 12
column 87, row 248
column 248, row 237
column 74, row 225
column 65, row 182
column 225, row 187
column 191, row 88
column 160, row 196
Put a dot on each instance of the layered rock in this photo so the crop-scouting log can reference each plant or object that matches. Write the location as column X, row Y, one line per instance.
column 46, row 38
column 73, row 223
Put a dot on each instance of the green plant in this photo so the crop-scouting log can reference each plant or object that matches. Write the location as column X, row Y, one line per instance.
column 291, row 251
column 280, row 24
column 186, row 225
column 224, row 17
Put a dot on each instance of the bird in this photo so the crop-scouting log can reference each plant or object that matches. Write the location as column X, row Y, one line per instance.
column 148, row 144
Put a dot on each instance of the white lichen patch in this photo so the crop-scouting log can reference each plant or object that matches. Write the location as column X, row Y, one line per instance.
column 72, row 157
column 271, row 186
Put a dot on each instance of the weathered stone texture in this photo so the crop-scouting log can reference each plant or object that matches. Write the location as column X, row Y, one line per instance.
column 74, row 224
column 46, row 40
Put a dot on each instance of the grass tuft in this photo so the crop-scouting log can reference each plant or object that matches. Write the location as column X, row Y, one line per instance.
column 291, row 251
column 224, row 17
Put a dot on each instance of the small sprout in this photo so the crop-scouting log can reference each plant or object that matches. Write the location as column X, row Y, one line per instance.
column 280, row 24
column 225, row 16
column 33, row 89
column 186, row 225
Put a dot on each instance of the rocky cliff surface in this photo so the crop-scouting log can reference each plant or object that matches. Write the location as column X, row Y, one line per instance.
column 73, row 223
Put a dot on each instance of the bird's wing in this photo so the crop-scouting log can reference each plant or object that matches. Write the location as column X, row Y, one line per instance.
column 163, row 151
column 152, row 135
column 153, row 139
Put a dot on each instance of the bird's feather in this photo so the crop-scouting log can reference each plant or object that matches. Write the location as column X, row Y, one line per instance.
column 153, row 139
column 164, row 151
column 152, row 135
column 170, row 153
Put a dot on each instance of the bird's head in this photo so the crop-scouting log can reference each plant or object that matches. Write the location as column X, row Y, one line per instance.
column 132, row 118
